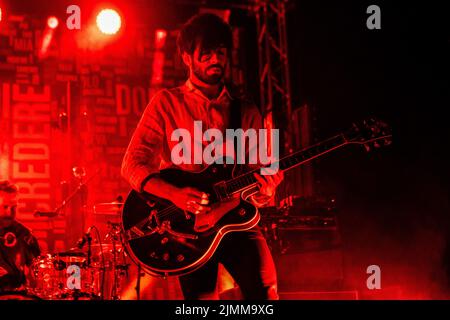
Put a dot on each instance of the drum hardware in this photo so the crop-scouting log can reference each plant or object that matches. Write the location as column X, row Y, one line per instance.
column 102, row 262
column 108, row 208
column 50, row 275
column 51, row 272
column 119, row 269
column 304, row 214
column 109, row 261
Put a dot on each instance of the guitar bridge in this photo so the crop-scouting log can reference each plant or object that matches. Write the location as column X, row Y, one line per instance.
column 166, row 227
column 133, row 233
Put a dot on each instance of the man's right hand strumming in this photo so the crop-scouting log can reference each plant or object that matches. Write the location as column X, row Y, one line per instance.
column 186, row 198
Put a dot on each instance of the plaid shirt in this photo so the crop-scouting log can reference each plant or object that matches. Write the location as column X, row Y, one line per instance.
column 150, row 147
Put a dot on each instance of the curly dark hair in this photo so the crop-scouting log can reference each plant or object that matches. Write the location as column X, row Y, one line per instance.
column 8, row 187
column 206, row 29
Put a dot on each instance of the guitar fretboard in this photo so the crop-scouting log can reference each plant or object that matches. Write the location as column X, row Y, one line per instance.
column 288, row 162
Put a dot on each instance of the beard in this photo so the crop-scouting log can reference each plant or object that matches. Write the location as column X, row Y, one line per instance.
column 212, row 79
column 6, row 222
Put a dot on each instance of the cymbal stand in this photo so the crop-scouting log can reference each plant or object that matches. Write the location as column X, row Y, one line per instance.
column 118, row 269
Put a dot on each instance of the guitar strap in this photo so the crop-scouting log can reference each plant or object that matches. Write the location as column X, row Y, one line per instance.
column 235, row 114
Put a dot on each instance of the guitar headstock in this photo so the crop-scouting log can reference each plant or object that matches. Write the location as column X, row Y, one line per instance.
column 371, row 133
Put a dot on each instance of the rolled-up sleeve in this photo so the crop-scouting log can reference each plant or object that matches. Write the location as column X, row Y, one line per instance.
column 143, row 156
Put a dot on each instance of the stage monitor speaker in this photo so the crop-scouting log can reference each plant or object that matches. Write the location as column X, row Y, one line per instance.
column 312, row 260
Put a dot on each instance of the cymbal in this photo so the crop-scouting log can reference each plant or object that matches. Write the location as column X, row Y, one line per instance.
column 108, row 208
column 70, row 254
column 115, row 203
column 105, row 246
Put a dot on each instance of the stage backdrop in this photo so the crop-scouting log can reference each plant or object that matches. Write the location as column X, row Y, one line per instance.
column 72, row 105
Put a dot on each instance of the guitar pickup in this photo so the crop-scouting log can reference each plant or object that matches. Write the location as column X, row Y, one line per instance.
column 221, row 190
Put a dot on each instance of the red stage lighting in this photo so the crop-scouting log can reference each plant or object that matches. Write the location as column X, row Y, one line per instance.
column 109, row 21
column 4, row 165
column 0, row 14
column 160, row 38
column 52, row 22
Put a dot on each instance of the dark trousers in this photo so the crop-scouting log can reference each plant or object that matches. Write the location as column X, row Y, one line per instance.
column 247, row 258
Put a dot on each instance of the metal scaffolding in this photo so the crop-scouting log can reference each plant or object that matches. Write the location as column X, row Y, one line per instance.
column 274, row 77
column 275, row 91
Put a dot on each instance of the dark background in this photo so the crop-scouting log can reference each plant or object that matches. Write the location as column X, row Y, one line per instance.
column 394, row 205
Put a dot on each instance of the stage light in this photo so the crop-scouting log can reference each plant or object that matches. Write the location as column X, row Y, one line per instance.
column 52, row 22
column 0, row 14
column 47, row 37
column 160, row 38
column 159, row 58
column 109, row 21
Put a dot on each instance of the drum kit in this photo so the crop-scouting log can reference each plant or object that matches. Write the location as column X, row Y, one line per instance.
column 89, row 271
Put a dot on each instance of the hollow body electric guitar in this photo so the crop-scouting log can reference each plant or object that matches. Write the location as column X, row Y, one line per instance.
column 167, row 241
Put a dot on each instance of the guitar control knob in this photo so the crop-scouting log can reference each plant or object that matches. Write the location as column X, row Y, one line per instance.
column 166, row 256
column 180, row 257
column 153, row 255
column 242, row 212
column 214, row 170
column 164, row 240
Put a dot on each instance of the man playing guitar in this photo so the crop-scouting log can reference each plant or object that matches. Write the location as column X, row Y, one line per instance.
column 204, row 43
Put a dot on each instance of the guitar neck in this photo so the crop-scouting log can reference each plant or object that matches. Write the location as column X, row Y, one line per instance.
column 288, row 162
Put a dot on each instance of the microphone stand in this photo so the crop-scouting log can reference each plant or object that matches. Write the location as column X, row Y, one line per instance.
column 138, row 283
column 89, row 240
column 69, row 198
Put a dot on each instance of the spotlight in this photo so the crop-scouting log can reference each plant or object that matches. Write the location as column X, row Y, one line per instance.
column 52, row 22
column 160, row 38
column 0, row 14
column 109, row 21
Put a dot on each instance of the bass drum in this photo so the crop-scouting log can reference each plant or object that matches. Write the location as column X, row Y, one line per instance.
column 13, row 295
